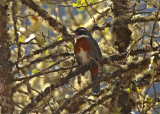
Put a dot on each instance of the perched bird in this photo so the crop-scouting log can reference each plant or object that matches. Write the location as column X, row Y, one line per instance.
column 86, row 49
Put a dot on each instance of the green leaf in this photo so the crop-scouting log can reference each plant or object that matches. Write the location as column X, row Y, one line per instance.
column 149, row 99
column 34, row 71
column 129, row 90
column 118, row 110
column 70, row 46
column 40, row 40
column 94, row 109
column 93, row 1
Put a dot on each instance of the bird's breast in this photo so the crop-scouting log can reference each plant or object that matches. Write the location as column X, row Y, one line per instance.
column 81, row 49
column 84, row 57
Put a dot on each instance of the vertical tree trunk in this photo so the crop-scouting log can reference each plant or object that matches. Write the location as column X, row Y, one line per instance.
column 122, row 35
column 6, row 102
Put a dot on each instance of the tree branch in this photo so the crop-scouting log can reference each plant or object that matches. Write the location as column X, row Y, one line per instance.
column 53, row 22
column 66, row 79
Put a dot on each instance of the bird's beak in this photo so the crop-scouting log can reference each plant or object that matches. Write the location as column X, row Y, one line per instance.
column 74, row 32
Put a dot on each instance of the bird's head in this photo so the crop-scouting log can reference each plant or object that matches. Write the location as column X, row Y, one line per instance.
column 82, row 31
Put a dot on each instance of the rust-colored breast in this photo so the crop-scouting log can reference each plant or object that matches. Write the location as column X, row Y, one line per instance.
column 82, row 43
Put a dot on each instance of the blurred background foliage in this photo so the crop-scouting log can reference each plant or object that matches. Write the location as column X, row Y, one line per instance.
column 49, row 66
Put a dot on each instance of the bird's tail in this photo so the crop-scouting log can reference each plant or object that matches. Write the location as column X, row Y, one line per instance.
column 94, row 78
column 95, row 89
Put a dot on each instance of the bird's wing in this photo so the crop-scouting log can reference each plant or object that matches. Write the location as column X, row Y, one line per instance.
column 78, row 59
column 95, row 52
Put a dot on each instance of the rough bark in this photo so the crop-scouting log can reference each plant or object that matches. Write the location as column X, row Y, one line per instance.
column 121, row 33
column 6, row 101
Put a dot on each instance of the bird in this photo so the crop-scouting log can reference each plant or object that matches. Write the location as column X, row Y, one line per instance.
column 86, row 50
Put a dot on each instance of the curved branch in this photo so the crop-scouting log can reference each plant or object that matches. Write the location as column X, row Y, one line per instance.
column 43, row 49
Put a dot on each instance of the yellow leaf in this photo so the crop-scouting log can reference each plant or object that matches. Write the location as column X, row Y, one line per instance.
column 83, row 2
column 34, row 71
column 21, row 38
column 59, row 38
column 132, row 42
column 51, row 63
column 74, row 4
column 151, row 60
column 47, row 52
column 128, row 90
column 81, row 26
column 139, row 90
column 106, row 30
column 78, row 3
